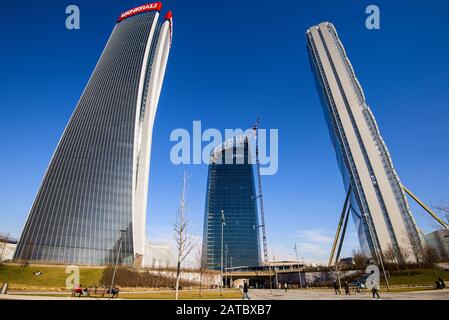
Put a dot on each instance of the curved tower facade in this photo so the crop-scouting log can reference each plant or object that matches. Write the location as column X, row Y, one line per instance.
column 231, row 190
column 93, row 197
column 378, row 203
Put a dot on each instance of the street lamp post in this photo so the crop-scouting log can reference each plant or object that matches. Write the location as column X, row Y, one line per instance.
column 276, row 278
column 231, row 273
column 226, row 265
column 221, row 267
column 299, row 269
column 275, row 273
column 116, row 260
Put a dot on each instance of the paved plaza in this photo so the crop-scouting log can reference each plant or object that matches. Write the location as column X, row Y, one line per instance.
column 314, row 294
column 311, row 294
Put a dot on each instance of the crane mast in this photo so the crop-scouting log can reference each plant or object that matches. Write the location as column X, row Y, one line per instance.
column 262, row 214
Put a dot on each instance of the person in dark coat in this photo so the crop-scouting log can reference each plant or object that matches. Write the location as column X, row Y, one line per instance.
column 442, row 284
column 245, row 290
column 336, row 288
column 347, row 288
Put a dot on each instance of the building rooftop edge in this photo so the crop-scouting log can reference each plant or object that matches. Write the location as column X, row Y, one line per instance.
column 155, row 6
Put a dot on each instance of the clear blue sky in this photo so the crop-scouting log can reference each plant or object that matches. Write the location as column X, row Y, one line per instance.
column 231, row 62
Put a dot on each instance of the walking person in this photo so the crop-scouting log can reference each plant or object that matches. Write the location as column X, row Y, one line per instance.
column 336, row 288
column 245, row 291
column 347, row 289
column 285, row 286
column 442, row 284
column 375, row 289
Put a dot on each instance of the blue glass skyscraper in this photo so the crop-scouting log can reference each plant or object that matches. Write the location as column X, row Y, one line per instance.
column 97, row 182
column 231, row 190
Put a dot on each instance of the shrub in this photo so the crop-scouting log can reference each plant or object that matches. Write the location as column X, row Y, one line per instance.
column 125, row 277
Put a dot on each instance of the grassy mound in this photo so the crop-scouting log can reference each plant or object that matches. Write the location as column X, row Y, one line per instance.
column 417, row 277
column 52, row 277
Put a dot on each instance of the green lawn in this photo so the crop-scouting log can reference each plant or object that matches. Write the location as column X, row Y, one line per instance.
column 164, row 295
column 423, row 277
column 407, row 289
column 186, row 295
column 52, row 277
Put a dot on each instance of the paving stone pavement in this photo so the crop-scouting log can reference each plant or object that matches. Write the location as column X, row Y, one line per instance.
column 329, row 295
column 282, row 295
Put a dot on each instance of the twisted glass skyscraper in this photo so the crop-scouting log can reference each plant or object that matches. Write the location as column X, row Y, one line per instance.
column 378, row 203
column 231, row 190
column 97, row 182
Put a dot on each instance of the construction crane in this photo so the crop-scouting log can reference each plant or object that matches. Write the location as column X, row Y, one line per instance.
column 262, row 214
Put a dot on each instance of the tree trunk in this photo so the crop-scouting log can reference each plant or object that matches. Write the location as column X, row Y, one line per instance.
column 201, row 281
column 178, row 272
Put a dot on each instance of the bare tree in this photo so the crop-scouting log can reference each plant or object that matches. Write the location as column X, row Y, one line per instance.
column 360, row 259
column 405, row 254
column 431, row 255
column 26, row 255
column 443, row 210
column 390, row 256
column 184, row 240
column 201, row 263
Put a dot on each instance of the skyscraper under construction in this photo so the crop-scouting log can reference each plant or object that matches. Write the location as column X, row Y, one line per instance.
column 231, row 200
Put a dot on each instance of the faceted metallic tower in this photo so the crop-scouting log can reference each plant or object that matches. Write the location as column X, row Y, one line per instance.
column 378, row 203
column 231, row 189
column 97, row 180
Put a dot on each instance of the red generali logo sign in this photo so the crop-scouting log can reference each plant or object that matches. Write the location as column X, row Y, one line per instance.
column 157, row 6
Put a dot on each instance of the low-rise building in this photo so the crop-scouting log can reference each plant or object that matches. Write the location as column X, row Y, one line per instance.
column 7, row 248
column 439, row 240
column 159, row 256
column 349, row 261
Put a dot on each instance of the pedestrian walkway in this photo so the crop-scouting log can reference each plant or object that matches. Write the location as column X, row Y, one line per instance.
column 256, row 294
column 38, row 297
